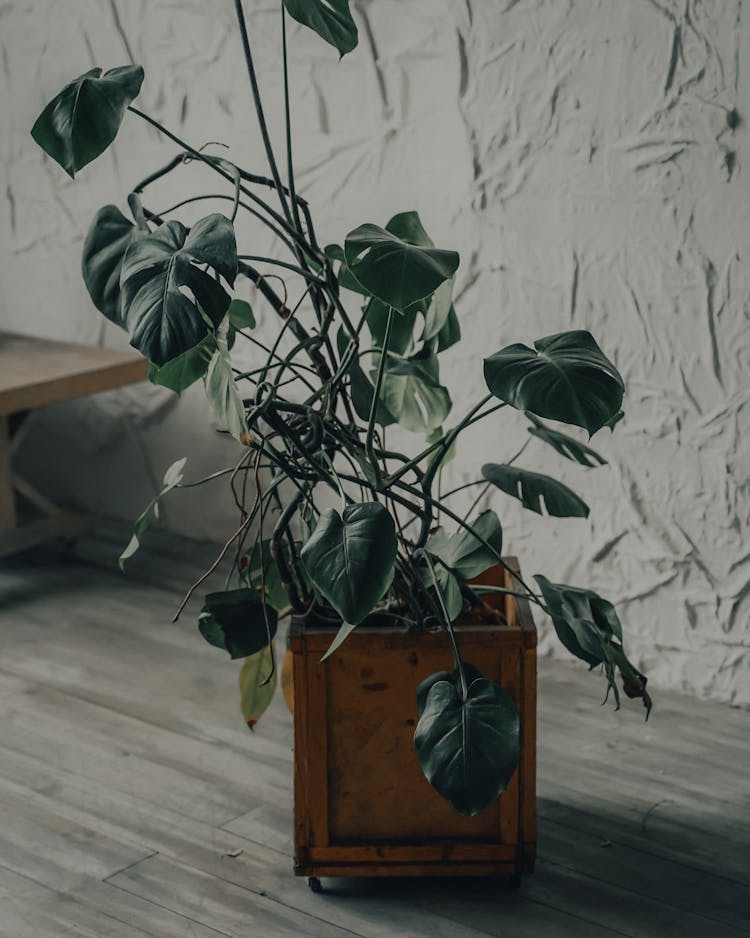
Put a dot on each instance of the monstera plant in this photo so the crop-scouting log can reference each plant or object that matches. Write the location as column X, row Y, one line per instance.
column 358, row 351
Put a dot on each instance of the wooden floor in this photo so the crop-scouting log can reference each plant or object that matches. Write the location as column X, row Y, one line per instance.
column 134, row 802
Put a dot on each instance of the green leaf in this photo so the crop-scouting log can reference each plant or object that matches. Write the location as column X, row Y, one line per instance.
column 533, row 487
column 565, row 445
column 110, row 234
column 439, row 311
column 237, row 621
column 241, row 315
column 345, row 630
column 221, row 390
column 468, row 748
column 408, row 226
column 83, row 119
column 172, row 478
column 330, row 19
column 162, row 321
column 447, row 583
column 567, row 378
column 392, row 269
column 412, row 393
column 588, row 626
column 450, row 334
column 350, row 559
column 402, row 327
column 255, row 695
column 179, row 373
column 362, row 389
column 344, row 276
column 465, row 551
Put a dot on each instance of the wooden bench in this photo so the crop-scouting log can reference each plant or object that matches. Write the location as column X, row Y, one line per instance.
column 33, row 373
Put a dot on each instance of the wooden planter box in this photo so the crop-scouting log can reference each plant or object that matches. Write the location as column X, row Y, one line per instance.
column 362, row 806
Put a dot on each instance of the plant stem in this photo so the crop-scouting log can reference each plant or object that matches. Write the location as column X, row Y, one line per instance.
column 376, row 393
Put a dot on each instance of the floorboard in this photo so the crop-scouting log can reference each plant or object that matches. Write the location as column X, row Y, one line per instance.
column 134, row 802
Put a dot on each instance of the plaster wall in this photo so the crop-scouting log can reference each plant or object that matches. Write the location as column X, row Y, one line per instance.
column 586, row 157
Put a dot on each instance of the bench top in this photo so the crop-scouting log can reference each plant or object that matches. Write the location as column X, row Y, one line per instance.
column 35, row 372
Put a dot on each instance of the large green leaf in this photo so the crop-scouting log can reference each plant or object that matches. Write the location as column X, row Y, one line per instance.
column 162, row 321
column 350, row 559
column 237, row 621
column 241, row 315
column 565, row 445
column 362, row 389
column 439, row 311
column 411, row 390
column 330, row 19
column 221, row 390
column 589, row 627
column 172, row 478
column 467, row 552
column 533, row 488
column 565, row 377
column 392, row 269
column 109, row 236
column 256, row 690
column 83, row 119
column 468, row 748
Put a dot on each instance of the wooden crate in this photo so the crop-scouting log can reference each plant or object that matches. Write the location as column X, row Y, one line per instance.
column 362, row 806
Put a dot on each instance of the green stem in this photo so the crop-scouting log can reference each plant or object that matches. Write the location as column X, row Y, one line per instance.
column 376, row 393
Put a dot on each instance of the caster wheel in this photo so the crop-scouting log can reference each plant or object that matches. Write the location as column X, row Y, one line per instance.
column 314, row 883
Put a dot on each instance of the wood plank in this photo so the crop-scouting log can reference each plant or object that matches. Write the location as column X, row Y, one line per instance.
column 35, row 372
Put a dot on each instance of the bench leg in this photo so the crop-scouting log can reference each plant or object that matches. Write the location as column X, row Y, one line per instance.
column 55, row 521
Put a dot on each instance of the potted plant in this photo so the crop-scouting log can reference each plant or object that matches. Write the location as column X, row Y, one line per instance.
column 382, row 594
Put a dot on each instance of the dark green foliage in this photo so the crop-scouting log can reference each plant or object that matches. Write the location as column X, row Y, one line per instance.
column 237, row 621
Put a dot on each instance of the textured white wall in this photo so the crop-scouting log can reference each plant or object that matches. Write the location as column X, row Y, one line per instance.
column 586, row 157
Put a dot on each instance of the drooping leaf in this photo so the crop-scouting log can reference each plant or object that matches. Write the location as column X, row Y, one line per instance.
column 468, row 748
column 565, row 445
column 467, row 553
column 330, row 19
column 241, row 315
column 162, row 321
column 589, row 627
column 83, row 119
column 565, row 377
column 221, row 390
column 392, row 269
column 110, row 234
column 172, row 478
column 350, row 559
column 179, row 373
column 533, row 489
column 255, row 695
column 237, row 621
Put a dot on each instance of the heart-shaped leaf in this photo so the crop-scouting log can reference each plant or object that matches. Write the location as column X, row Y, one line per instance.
column 237, row 621
column 109, row 236
column 330, row 19
column 392, row 269
column 468, row 748
column 470, row 553
column 565, row 377
column 162, row 320
column 565, row 445
column 83, row 119
column 350, row 559
column 533, row 488
column 256, row 692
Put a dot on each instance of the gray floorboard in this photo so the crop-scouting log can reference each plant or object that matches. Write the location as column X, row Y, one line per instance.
column 133, row 801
